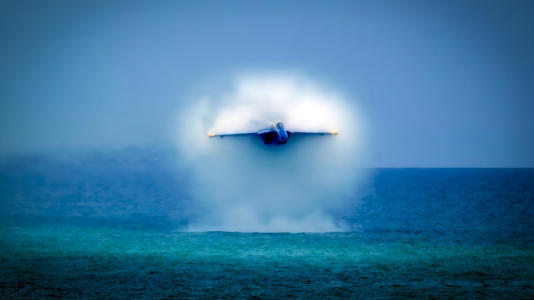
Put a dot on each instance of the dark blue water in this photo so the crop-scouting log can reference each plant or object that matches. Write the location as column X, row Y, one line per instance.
column 112, row 224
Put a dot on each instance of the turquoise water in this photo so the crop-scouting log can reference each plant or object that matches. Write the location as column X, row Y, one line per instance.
column 110, row 228
column 64, row 261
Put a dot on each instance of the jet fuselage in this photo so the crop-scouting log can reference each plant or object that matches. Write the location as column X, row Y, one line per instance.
column 278, row 135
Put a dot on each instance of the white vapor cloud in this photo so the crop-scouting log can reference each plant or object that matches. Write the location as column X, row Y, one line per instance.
column 240, row 184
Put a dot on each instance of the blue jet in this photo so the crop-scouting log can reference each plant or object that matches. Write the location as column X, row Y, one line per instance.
column 276, row 134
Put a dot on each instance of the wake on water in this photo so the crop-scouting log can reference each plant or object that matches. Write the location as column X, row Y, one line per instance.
column 240, row 184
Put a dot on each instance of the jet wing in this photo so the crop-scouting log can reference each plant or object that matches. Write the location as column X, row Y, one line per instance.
column 333, row 132
column 260, row 132
column 212, row 134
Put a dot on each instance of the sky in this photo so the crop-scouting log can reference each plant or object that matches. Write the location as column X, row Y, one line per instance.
column 439, row 83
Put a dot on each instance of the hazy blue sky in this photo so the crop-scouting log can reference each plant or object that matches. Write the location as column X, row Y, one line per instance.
column 441, row 83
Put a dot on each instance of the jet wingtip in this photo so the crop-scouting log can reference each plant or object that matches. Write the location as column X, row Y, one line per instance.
column 211, row 134
column 334, row 132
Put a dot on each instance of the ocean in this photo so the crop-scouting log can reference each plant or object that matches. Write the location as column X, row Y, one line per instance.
column 113, row 226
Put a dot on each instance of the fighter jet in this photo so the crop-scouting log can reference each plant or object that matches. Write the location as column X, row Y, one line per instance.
column 276, row 134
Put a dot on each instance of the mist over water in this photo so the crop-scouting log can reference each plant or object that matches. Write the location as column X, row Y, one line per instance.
column 240, row 184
